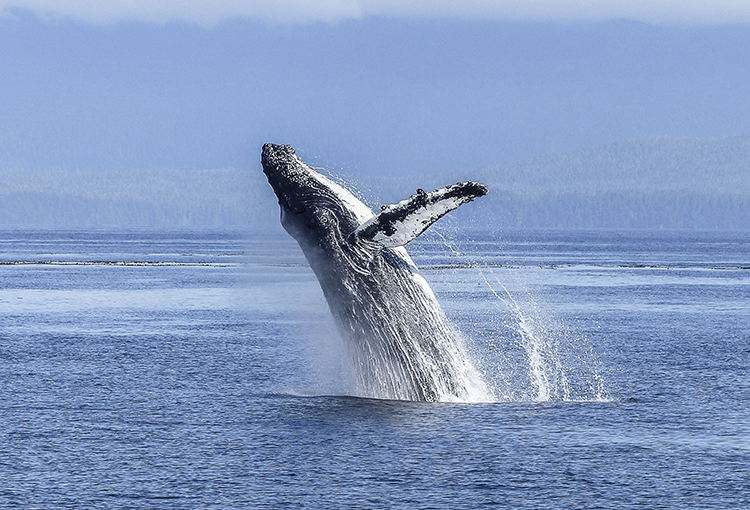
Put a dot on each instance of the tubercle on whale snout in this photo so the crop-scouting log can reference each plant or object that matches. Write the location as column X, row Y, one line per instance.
column 272, row 153
column 280, row 163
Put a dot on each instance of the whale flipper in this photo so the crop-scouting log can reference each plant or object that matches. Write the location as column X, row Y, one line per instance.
column 397, row 224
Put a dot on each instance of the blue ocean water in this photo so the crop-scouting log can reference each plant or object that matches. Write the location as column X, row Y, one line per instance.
column 200, row 369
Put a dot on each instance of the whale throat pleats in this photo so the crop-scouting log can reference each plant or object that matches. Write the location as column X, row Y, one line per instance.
column 397, row 224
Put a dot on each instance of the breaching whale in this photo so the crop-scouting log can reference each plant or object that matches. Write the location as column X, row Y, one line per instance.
column 399, row 339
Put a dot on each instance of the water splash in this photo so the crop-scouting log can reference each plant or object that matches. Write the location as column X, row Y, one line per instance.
column 548, row 374
column 510, row 348
column 539, row 357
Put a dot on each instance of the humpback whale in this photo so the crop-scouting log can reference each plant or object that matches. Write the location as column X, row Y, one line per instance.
column 400, row 342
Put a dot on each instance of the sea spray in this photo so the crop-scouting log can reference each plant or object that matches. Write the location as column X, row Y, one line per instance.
column 523, row 351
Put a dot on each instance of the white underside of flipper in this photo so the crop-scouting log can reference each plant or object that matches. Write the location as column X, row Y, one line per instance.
column 399, row 223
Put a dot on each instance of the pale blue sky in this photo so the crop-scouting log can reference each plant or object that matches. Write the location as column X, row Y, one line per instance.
column 373, row 88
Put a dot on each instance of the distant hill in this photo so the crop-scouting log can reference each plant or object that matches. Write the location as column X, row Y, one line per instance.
column 61, row 198
column 664, row 164
column 655, row 183
column 661, row 182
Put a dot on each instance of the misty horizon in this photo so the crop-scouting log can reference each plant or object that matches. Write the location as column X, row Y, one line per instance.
column 656, row 183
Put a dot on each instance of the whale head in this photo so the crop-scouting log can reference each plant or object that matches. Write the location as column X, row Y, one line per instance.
column 313, row 207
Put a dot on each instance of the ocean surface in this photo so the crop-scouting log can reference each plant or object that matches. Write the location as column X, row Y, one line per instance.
column 201, row 369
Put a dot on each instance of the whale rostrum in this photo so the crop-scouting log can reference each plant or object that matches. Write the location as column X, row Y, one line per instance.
column 397, row 336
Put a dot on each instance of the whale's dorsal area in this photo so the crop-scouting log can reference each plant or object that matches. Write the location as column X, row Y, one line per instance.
column 398, row 224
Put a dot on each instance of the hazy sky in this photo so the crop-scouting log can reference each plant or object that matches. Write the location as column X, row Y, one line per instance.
column 386, row 87
column 694, row 12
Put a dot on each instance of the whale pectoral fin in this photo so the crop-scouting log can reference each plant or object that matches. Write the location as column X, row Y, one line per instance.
column 398, row 224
